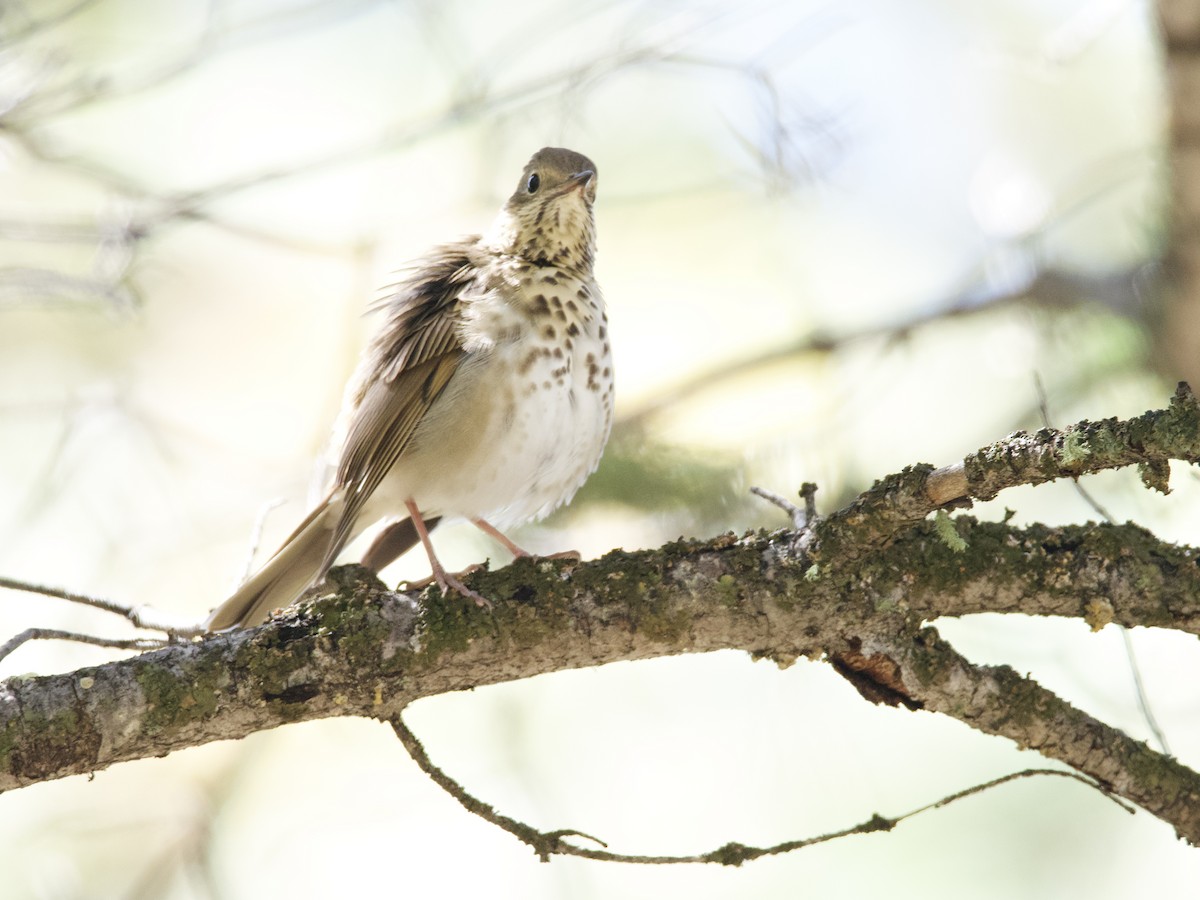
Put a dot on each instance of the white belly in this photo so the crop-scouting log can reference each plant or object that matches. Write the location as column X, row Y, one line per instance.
column 514, row 435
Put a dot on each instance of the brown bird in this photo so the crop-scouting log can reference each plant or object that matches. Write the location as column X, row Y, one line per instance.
column 486, row 394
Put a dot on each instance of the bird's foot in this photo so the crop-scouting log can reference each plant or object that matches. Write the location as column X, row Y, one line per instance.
column 572, row 555
column 420, row 584
column 451, row 581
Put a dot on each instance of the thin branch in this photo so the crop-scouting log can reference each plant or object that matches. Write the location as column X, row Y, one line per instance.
column 900, row 501
column 544, row 844
column 806, row 345
column 1139, row 690
column 256, row 533
column 195, row 205
column 1084, row 493
column 553, row 843
column 54, row 634
column 140, row 616
column 800, row 518
column 212, row 40
column 1047, row 289
column 34, row 27
column 930, row 672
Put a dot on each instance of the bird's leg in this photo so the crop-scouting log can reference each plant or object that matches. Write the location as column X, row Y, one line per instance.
column 444, row 579
column 393, row 541
column 494, row 532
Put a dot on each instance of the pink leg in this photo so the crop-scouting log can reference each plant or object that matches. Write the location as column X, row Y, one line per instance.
column 494, row 532
column 445, row 580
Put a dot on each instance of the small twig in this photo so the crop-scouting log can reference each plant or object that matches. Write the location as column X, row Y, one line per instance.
column 547, row 843
column 256, row 533
column 1044, row 408
column 141, row 616
column 54, row 634
column 543, row 843
column 808, row 492
column 801, row 518
column 819, row 343
column 1139, row 690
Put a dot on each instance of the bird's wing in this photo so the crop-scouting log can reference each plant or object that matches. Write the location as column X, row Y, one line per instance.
column 407, row 366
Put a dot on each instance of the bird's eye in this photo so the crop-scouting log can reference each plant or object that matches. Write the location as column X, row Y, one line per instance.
column 533, row 184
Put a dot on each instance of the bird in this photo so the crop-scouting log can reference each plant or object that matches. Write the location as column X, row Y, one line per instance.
column 485, row 394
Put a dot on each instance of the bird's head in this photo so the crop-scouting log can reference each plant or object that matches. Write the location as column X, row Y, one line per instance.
column 548, row 219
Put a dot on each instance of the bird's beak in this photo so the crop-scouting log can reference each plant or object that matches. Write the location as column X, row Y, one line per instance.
column 584, row 181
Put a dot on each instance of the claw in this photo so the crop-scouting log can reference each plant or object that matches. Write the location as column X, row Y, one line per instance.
column 448, row 582
column 419, row 584
column 444, row 579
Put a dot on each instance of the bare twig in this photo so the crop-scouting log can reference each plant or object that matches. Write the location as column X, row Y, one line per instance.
column 1139, row 690
column 543, row 843
column 33, row 27
column 800, row 518
column 1084, row 493
column 256, row 533
column 808, row 491
column 553, row 843
column 54, row 634
column 141, row 616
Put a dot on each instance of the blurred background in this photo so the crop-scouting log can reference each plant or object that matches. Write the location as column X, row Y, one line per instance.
column 835, row 239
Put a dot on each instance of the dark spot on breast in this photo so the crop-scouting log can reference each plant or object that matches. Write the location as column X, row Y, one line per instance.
column 527, row 363
column 556, row 302
column 558, row 354
column 572, row 329
column 549, row 333
column 603, row 332
column 560, row 315
column 593, row 371
column 582, row 293
column 540, row 306
column 572, row 306
column 549, row 279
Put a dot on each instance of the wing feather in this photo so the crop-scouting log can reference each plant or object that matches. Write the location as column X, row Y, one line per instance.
column 412, row 358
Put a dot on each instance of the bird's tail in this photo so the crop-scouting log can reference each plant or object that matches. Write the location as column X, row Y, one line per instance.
column 298, row 564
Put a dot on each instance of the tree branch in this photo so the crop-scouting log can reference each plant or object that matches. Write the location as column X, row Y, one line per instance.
column 859, row 597
column 941, row 680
